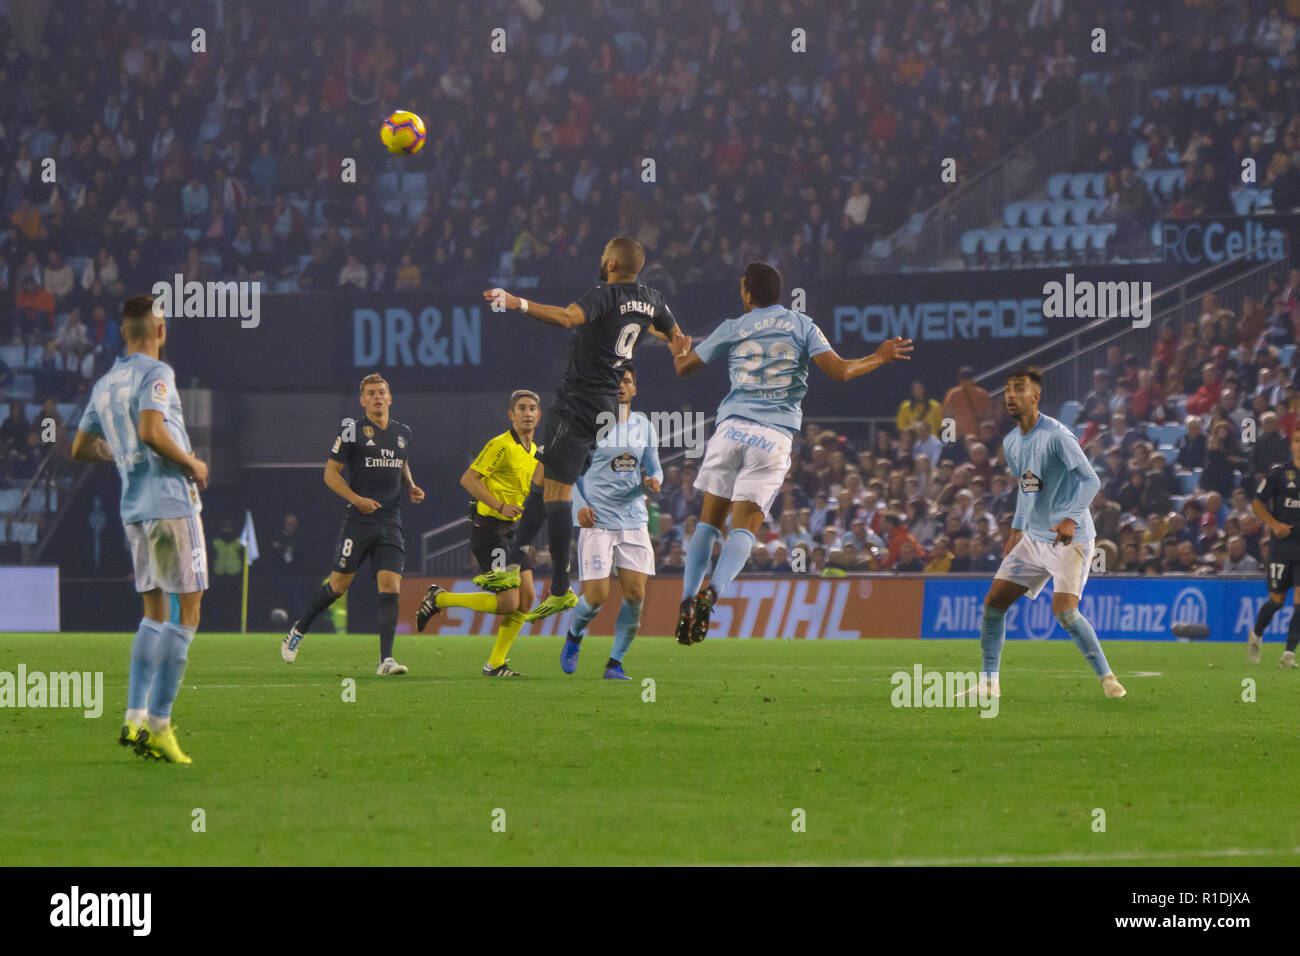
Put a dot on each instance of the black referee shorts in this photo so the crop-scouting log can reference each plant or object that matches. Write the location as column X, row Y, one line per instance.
column 382, row 542
column 570, row 429
column 491, row 540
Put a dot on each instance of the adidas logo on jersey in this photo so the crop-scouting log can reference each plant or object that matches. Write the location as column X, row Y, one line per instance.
column 371, row 443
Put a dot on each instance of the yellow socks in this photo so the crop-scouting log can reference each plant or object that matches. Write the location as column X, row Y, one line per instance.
column 475, row 601
column 506, row 635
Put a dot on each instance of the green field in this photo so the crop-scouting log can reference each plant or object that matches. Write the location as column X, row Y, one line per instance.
column 741, row 733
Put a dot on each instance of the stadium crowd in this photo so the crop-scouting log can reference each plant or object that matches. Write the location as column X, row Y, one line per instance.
column 174, row 160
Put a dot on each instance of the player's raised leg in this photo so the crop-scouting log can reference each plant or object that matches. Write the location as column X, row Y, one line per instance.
column 1264, row 617
column 325, row 595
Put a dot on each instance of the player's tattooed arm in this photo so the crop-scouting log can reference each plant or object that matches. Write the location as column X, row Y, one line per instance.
column 472, row 482
column 414, row 490
column 568, row 317
column 153, row 432
column 334, row 479
column 842, row 370
column 87, row 446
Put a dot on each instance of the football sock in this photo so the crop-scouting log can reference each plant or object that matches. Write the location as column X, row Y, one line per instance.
column 559, row 527
column 583, row 615
column 143, row 650
column 170, row 658
column 612, row 662
column 322, row 599
column 699, row 556
column 387, row 623
column 625, row 628
column 735, row 552
column 1077, row 626
column 993, row 632
column 506, row 635
column 1265, row 615
column 530, row 522
column 1293, row 632
column 475, row 601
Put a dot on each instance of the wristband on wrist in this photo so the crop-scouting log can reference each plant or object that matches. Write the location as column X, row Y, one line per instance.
column 523, row 304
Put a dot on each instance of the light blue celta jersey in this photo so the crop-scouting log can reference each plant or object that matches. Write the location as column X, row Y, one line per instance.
column 1056, row 480
column 768, row 351
column 152, row 486
column 612, row 487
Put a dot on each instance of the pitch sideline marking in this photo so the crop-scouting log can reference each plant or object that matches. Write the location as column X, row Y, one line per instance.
column 1012, row 860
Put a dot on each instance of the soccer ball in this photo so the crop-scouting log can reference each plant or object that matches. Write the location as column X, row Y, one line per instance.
column 403, row 132
column 279, row 617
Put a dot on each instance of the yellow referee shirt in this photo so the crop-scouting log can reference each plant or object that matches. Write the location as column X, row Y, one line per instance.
column 507, row 466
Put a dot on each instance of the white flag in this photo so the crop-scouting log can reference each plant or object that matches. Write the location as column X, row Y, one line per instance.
column 248, row 538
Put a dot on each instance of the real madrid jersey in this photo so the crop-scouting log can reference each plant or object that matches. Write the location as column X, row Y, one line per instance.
column 374, row 459
column 612, row 487
column 152, row 486
column 1056, row 480
column 1279, row 490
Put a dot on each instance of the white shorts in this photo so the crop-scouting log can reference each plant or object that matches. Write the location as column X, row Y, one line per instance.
column 745, row 461
column 601, row 550
column 1032, row 562
column 169, row 553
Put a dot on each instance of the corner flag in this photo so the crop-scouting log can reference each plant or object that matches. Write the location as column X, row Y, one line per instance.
column 247, row 538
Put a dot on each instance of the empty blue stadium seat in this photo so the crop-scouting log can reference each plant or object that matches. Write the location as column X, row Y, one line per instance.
column 1099, row 237
column 1285, row 354
column 1171, row 180
column 1187, row 481
column 1081, row 211
column 1015, row 241
column 391, row 207
column 1243, row 201
column 991, row 242
column 1079, row 185
column 1265, row 200
column 386, row 183
column 13, row 356
column 415, row 184
column 1059, row 212
column 1139, row 155
column 1070, row 413
column 1011, row 214
column 1079, row 240
column 1056, row 184
column 970, row 242
column 1060, row 241
column 1034, row 212
column 1037, row 240
column 1152, row 178
column 415, row 207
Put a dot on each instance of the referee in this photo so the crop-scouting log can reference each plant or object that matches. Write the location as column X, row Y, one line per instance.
column 499, row 480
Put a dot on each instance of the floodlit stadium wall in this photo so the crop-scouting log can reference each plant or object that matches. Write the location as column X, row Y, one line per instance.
column 913, row 606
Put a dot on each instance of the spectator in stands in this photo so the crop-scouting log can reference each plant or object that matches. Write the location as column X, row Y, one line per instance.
column 919, row 409
column 34, row 313
column 1221, row 460
column 1239, row 561
column 909, row 560
column 1192, row 447
column 961, row 556
column 1271, row 448
column 1097, row 403
column 967, row 403
column 685, row 499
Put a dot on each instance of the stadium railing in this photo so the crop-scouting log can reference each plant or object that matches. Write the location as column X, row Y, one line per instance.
column 1070, row 359
column 935, row 233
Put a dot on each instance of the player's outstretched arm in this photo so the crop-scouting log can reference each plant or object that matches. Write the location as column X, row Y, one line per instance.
column 571, row 316
column 153, row 432
column 87, row 446
column 842, row 370
column 686, row 361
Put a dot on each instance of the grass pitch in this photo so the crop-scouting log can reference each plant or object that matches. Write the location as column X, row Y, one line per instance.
column 740, row 735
